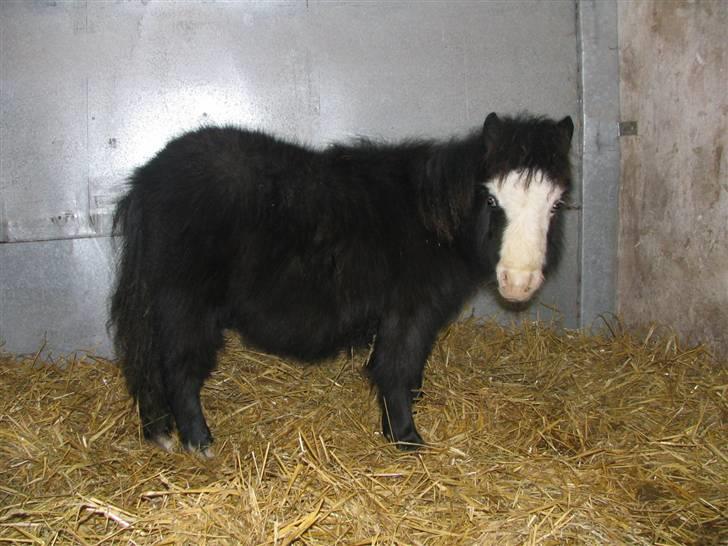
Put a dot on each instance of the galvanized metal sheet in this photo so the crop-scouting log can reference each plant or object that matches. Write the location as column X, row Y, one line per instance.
column 54, row 294
column 92, row 90
column 600, row 162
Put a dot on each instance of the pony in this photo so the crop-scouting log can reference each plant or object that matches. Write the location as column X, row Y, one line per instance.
column 305, row 252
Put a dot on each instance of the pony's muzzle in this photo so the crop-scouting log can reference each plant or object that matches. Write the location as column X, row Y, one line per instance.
column 518, row 284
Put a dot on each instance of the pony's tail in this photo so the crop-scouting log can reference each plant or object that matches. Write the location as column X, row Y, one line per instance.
column 132, row 317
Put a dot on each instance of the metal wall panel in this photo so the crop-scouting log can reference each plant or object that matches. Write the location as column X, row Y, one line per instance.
column 92, row 89
column 54, row 294
column 600, row 162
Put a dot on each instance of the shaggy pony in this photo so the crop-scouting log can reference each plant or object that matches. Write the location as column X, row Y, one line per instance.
column 307, row 252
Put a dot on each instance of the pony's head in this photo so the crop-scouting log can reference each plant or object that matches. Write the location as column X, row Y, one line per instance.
column 527, row 174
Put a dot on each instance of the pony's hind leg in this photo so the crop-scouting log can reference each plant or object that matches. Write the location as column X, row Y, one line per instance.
column 146, row 384
column 185, row 374
column 156, row 415
column 188, row 360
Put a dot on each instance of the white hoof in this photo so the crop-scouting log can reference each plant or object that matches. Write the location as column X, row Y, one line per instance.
column 164, row 441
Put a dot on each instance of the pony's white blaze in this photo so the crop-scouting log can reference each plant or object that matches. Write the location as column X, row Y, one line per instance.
column 528, row 206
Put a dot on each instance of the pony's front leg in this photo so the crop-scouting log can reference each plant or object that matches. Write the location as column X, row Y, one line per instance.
column 398, row 423
column 396, row 368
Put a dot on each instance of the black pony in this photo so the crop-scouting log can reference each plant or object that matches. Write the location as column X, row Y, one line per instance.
column 307, row 252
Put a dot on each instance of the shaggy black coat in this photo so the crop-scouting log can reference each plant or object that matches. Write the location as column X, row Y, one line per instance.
column 307, row 252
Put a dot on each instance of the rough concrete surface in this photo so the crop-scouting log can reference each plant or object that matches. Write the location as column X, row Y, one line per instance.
column 673, row 248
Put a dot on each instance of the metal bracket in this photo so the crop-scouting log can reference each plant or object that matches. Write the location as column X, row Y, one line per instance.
column 628, row 128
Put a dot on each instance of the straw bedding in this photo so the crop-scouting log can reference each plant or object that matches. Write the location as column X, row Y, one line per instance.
column 537, row 436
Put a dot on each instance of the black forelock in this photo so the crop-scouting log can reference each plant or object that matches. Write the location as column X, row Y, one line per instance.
column 528, row 144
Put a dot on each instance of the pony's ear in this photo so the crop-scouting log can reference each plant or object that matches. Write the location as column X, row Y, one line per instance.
column 566, row 127
column 491, row 130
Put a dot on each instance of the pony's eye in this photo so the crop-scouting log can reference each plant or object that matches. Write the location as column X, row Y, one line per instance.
column 557, row 205
column 492, row 202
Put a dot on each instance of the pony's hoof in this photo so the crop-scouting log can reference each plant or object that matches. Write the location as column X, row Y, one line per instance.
column 164, row 441
column 410, row 444
column 203, row 452
column 409, row 441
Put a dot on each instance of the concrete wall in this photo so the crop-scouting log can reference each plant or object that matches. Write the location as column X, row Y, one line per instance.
column 673, row 241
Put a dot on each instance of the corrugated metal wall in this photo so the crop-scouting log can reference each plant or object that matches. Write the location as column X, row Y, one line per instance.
column 92, row 89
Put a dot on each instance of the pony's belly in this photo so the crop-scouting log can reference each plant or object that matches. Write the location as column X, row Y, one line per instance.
column 306, row 332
